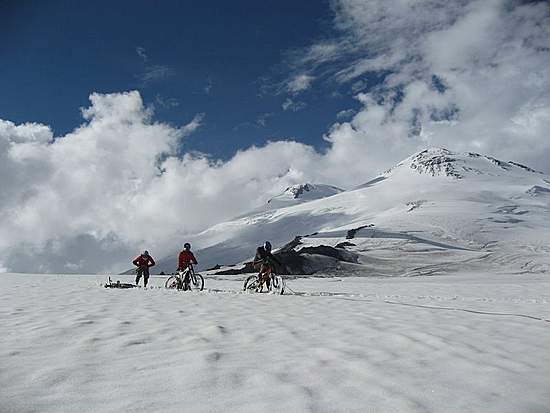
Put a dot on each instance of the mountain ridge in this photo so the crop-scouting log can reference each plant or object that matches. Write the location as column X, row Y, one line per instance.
column 465, row 201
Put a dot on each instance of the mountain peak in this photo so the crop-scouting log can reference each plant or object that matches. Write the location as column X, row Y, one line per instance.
column 305, row 192
column 455, row 165
column 435, row 161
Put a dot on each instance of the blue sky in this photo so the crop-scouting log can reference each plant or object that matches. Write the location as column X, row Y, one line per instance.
column 223, row 59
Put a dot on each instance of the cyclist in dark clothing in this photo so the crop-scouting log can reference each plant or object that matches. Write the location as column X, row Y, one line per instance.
column 264, row 262
column 143, row 262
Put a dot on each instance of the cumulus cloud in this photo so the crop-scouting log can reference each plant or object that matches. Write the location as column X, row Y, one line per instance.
column 87, row 183
column 90, row 200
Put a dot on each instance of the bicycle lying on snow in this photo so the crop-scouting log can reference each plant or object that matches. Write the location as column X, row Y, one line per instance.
column 186, row 280
column 253, row 285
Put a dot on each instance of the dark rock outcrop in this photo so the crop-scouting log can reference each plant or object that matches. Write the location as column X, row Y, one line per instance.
column 345, row 244
column 301, row 261
column 351, row 233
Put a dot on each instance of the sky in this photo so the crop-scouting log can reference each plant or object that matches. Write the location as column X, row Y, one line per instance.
column 219, row 58
column 134, row 124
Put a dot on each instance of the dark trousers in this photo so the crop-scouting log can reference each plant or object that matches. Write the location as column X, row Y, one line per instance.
column 145, row 272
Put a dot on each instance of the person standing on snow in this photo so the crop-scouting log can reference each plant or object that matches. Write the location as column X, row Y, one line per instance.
column 264, row 262
column 143, row 262
column 186, row 257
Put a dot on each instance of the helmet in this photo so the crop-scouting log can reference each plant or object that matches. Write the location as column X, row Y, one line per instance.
column 145, row 253
column 186, row 246
column 267, row 246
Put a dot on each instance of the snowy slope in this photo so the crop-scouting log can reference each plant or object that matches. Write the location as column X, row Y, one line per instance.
column 462, row 343
column 435, row 205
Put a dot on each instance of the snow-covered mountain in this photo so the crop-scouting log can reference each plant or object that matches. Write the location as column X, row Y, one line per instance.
column 433, row 210
column 300, row 193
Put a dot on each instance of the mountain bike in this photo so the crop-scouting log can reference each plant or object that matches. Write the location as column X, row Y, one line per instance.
column 252, row 284
column 118, row 284
column 186, row 279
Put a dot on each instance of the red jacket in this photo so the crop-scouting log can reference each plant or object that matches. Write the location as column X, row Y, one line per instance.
column 185, row 258
column 141, row 261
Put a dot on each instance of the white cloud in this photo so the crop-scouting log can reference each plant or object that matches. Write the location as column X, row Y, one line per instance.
column 87, row 182
column 262, row 119
column 192, row 126
column 467, row 75
column 292, row 105
column 345, row 114
column 155, row 73
column 299, row 83
column 150, row 72
column 166, row 102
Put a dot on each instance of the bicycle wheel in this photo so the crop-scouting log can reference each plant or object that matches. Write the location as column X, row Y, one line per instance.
column 251, row 283
column 196, row 282
column 278, row 284
column 172, row 282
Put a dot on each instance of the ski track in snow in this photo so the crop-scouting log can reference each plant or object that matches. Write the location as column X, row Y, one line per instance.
column 338, row 345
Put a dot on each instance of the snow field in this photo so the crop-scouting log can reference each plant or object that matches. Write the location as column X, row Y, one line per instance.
column 339, row 345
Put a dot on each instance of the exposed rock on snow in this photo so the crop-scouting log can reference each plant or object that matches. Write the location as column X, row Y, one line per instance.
column 435, row 162
column 302, row 193
column 351, row 232
column 524, row 167
column 298, row 259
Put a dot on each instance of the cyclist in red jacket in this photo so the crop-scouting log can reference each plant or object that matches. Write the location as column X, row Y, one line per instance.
column 186, row 257
column 143, row 262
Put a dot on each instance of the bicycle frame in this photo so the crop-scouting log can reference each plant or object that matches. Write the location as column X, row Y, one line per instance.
column 185, row 279
column 187, row 275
